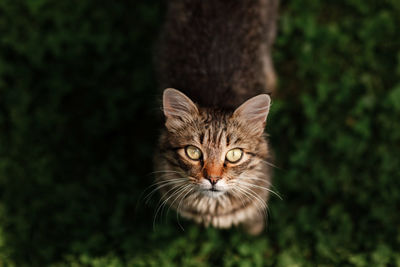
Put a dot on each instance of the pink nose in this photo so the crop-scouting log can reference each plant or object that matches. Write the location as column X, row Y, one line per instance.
column 214, row 179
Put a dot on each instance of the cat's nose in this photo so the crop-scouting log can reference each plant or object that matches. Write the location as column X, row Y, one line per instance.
column 213, row 172
column 213, row 179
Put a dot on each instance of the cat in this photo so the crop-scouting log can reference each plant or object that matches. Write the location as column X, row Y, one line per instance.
column 213, row 160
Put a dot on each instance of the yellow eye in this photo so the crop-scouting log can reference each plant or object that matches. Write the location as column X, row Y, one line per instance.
column 234, row 155
column 193, row 152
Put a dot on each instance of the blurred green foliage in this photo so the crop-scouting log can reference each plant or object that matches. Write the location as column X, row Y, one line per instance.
column 79, row 116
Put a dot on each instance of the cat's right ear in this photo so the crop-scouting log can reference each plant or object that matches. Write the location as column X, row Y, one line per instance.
column 253, row 113
column 177, row 108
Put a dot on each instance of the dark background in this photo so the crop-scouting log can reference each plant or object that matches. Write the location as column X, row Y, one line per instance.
column 80, row 115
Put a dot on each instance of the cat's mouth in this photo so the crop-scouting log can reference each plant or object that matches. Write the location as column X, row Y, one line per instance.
column 213, row 192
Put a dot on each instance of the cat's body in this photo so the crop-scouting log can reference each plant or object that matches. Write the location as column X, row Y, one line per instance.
column 218, row 52
column 213, row 158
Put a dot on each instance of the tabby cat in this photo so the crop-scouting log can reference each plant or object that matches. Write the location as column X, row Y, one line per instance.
column 213, row 161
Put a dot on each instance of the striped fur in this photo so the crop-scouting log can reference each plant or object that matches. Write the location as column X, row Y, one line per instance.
column 218, row 54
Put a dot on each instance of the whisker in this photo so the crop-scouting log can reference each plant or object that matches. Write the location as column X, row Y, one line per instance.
column 160, row 184
column 261, row 187
column 168, row 180
column 259, row 204
column 177, row 188
column 258, row 179
column 270, row 164
column 253, row 194
column 263, row 202
column 155, row 184
column 163, row 181
column 159, row 187
column 179, row 204
column 261, row 180
column 176, row 196
column 238, row 196
column 180, row 193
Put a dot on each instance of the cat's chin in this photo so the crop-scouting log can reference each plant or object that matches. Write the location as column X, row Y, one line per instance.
column 213, row 193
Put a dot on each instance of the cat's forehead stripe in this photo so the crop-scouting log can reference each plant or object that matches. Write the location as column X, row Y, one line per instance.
column 213, row 135
column 201, row 138
column 206, row 136
column 221, row 137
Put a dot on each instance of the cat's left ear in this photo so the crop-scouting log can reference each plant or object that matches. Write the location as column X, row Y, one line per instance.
column 253, row 113
column 178, row 108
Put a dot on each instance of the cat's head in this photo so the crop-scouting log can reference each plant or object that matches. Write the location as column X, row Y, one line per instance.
column 213, row 150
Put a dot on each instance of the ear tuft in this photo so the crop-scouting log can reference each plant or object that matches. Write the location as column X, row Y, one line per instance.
column 254, row 112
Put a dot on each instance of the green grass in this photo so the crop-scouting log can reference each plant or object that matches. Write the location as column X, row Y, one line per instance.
column 79, row 116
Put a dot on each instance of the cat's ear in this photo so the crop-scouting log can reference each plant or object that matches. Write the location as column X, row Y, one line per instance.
column 177, row 108
column 253, row 113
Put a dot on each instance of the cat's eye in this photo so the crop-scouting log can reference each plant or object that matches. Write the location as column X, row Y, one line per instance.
column 193, row 152
column 234, row 155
